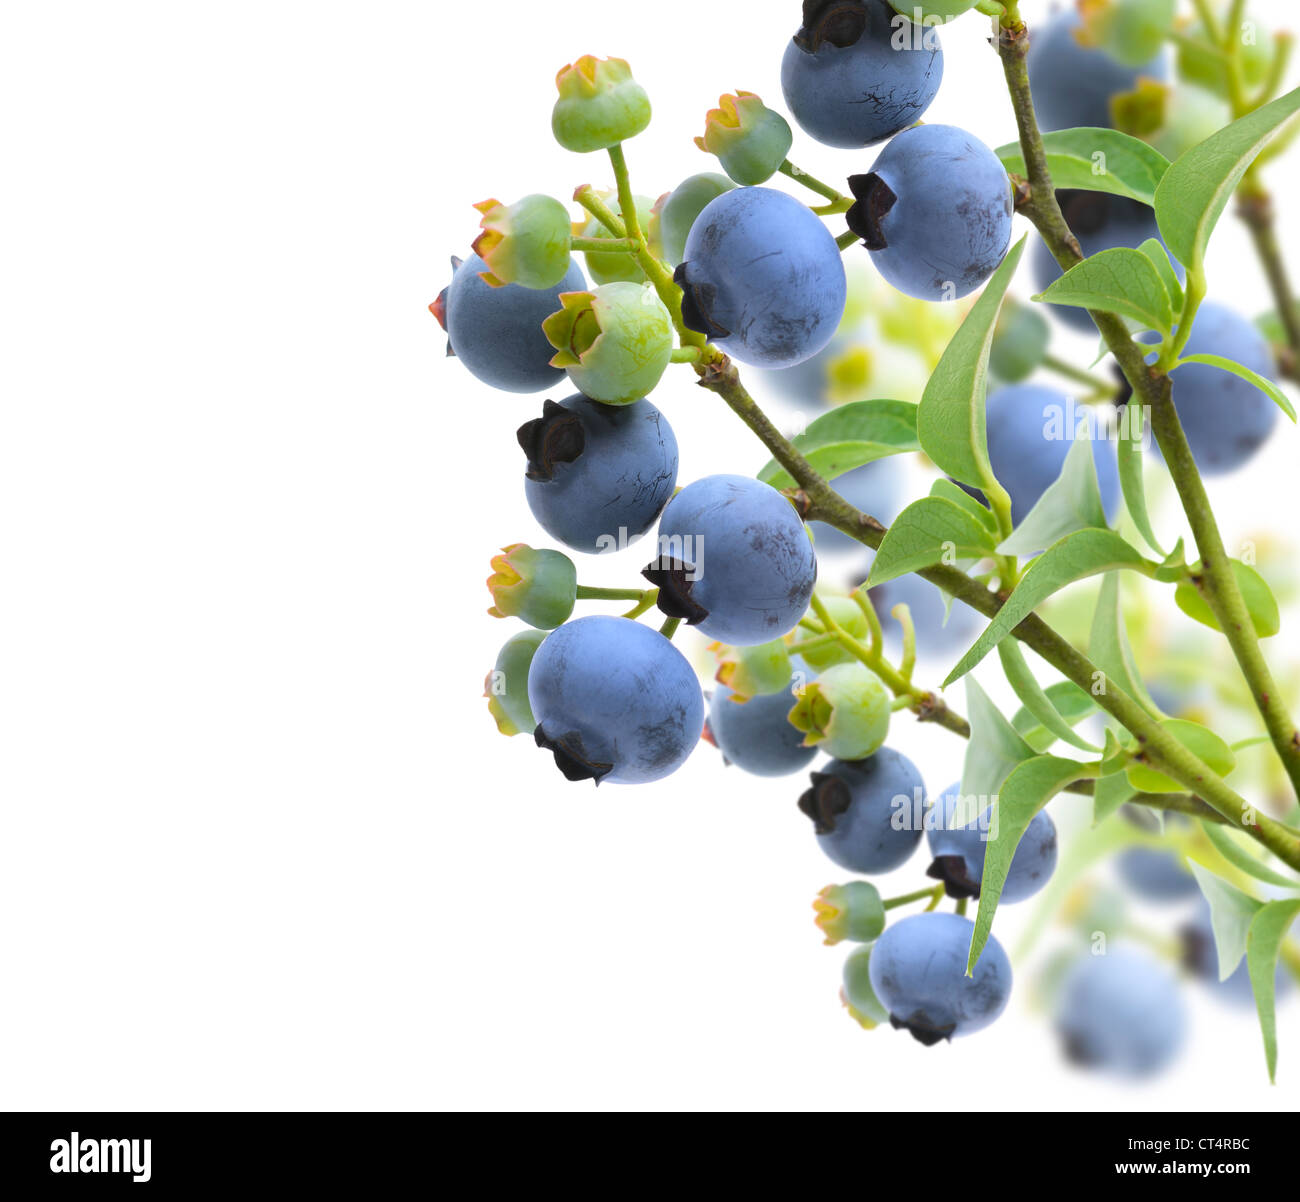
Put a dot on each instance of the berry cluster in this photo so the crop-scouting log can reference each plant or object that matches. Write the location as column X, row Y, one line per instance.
column 729, row 269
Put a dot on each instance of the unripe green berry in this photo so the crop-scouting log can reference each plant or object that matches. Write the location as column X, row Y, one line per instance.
column 850, row 618
column 932, row 11
column 538, row 587
column 845, row 712
column 750, row 140
column 506, row 686
column 526, row 243
column 853, row 911
column 856, row 993
column 615, row 341
column 753, row 671
column 600, row 105
column 1020, row 342
column 680, row 208
column 608, row 267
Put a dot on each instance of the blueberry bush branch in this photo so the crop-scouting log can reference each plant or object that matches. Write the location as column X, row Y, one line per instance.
column 1151, row 388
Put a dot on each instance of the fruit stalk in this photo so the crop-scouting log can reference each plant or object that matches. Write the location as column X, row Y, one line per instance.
column 1152, row 389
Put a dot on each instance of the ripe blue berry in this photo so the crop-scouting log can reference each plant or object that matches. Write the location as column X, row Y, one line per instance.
column 598, row 475
column 934, row 211
column 867, row 813
column 1154, row 874
column 1030, row 430
column 1074, row 84
column 918, row 971
column 959, row 854
column 614, row 700
column 1226, row 419
column 497, row 332
column 1100, row 222
column 734, row 560
column 762, row 278
column 856, row 73
column 1121, row 1011
column 756, row 735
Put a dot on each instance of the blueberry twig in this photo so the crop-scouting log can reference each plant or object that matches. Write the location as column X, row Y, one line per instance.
column 1152, row 389
column 838, row 202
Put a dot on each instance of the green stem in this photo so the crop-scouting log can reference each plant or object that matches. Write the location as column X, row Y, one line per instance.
column 647, row 602
column 587, row 592
column 800, row 176
column 669, row 628
column 603, row 244
column 1077, row 374
column 686, row 354
column 892, row 903
column 847, row 239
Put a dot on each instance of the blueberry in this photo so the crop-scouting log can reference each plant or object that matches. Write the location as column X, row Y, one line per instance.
column 598, row 475
column 1226, row 419
column 875, row 488
column 1030, row 429
column 1100, row 222
column 762, row 278
column 856, row 73
column 1121, row 1011
column 867, row 813
column 756, row 735
column 614, row 700
column 1154, row 874
column 959, row 854
column 497, row 332
column 734, row 560
column 1073, row 84
column 918, row 971
column 934, row 211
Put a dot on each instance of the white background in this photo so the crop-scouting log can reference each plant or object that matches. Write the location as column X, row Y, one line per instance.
column 261, row 844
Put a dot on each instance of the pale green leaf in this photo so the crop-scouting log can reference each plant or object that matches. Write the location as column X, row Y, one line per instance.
column 945, row 488
column 1154, row 250
column 1077, row 556
column 950, row 420
column 1263, row 383
column 993, row 750
column 1263, row 943
column 929, row 531
column 1128, row 451
column 1068, row 700
column 1071, row 502
column 1033, row 697
column 1120, row 280
column 1108, row 794
column 1261, row 605
column 1097, row 160
column 849, row 436
column 1193, row 193
column 1200, row 740
column 1108, row 648
column 1231, row 913
column 1241, row 859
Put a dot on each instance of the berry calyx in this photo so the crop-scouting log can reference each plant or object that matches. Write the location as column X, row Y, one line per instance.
column 537, row 586
column 600, row 105
column 873, row 198
column 526, row 243
column 749, row 139
column 845, row 711
column 555, row 437
column 854, row 912
column 831, row 22
column 615, row 341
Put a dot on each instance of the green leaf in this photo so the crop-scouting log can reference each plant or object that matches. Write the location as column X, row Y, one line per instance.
column 1245, row 861
column 1097, row 160
column 1263, row 943
column 994, row 749
column 1077, row 556
column 1121, row 280
column 1034, row 699
column 1201, row 741
column 1154, row 250
column 1193, row 193
column 1263, row 383
column 1115, row 756
column 929, row 531
column 1128, row 450
column 849, row 436
column 1261, row 605
column 1231, row 913
column 945, row 488
column 1028, row 788
column 1109, row 650
column 1108, row 794
column 950, row 420
column 1071, row 702
column 1071, row 502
